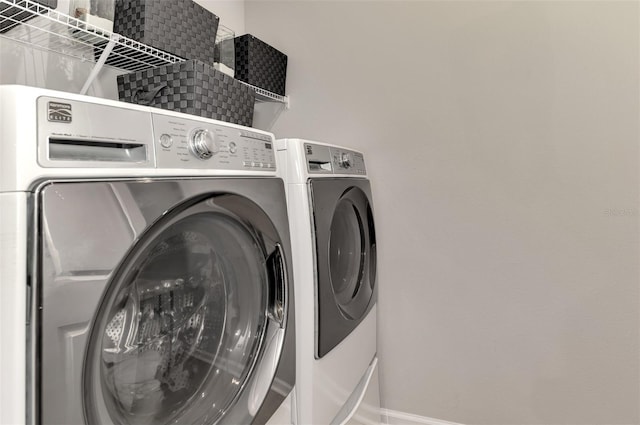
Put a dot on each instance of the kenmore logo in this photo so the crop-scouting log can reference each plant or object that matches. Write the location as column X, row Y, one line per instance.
column 59, row 112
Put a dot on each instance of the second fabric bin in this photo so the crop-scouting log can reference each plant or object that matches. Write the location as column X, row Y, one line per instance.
column 191, row 87
column 260, row 64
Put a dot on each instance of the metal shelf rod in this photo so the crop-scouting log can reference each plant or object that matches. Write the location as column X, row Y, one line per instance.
column 98, row 66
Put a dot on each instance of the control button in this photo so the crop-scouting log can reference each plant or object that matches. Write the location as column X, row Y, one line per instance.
column 232, row 147
column 202, row 144
column 246, row 163
column 345, row 160
column 166, row 141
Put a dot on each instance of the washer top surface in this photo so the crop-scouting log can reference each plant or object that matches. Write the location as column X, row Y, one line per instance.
column 49, row 134
column 307, row 159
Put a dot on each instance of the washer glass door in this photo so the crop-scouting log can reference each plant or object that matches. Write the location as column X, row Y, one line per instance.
column 181, row 324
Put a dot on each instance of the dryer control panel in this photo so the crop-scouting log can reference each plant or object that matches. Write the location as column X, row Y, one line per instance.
column 322, row 159
column 195, row 144
column 76, row 134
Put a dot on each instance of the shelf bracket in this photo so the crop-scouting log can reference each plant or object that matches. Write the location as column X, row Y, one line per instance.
column 98, row 66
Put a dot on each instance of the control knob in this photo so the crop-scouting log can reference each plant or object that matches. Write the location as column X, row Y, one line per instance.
column 202, row 144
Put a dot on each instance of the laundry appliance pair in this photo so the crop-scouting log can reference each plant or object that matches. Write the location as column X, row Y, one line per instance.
column 147, row 274
column 145, row 268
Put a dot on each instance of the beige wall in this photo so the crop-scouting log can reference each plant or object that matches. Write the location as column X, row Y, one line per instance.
column 230, row 12
column 502, row 141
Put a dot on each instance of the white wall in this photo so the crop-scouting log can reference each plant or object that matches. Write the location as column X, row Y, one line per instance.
column 502, row 141
column 230, row 12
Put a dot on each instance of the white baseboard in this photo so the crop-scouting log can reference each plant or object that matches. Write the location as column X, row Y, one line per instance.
column 394, row 417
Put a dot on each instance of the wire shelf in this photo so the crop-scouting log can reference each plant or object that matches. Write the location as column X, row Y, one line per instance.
column 31, row 23
column 267, row 96
column 35, row 25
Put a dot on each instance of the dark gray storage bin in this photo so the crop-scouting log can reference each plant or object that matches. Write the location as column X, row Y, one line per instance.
column 191, row 87
column 179, row 27
column 11, row 16
column 260, row 64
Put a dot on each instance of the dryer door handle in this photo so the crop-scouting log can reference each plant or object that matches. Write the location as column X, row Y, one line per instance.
column 276, row 308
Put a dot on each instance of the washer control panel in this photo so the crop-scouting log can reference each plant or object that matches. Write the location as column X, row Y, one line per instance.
column 323, row 159
column 194, row 144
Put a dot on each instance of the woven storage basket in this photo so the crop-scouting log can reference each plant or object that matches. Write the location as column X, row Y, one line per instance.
column 180, row 27
column 191, row 87
column 260, row 64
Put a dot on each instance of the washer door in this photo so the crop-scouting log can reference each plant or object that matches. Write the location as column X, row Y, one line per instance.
column 345, row 255
column 185, row 319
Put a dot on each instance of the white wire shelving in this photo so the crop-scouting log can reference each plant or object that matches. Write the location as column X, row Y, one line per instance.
column 30, row 23
column 267, row 96
column 36, row 25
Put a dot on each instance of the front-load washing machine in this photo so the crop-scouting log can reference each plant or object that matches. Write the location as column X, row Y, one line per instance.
column 334, row 249
column 148, row 253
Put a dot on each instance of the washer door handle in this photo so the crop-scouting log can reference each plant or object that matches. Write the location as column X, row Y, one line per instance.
column 277, row 286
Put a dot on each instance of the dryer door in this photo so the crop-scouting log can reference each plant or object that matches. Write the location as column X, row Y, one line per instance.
column 183, row 323
column 191, row 324
column 345, row 257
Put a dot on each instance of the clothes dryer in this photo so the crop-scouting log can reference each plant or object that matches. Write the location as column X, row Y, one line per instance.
column 334, row 248
column 148, row 253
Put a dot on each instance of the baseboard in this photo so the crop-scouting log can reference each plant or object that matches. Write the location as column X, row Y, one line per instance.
column 393, row 417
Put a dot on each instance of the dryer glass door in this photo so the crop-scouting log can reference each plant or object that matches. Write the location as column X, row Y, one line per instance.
column 350, row 252
column 345, row 257
column 183, row 321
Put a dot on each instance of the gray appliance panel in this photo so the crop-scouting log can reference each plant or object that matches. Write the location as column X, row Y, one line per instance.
column 346, row 277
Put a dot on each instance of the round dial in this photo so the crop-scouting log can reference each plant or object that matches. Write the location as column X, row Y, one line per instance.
column 345, row 160
column 202, row 143
column 166, row 141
